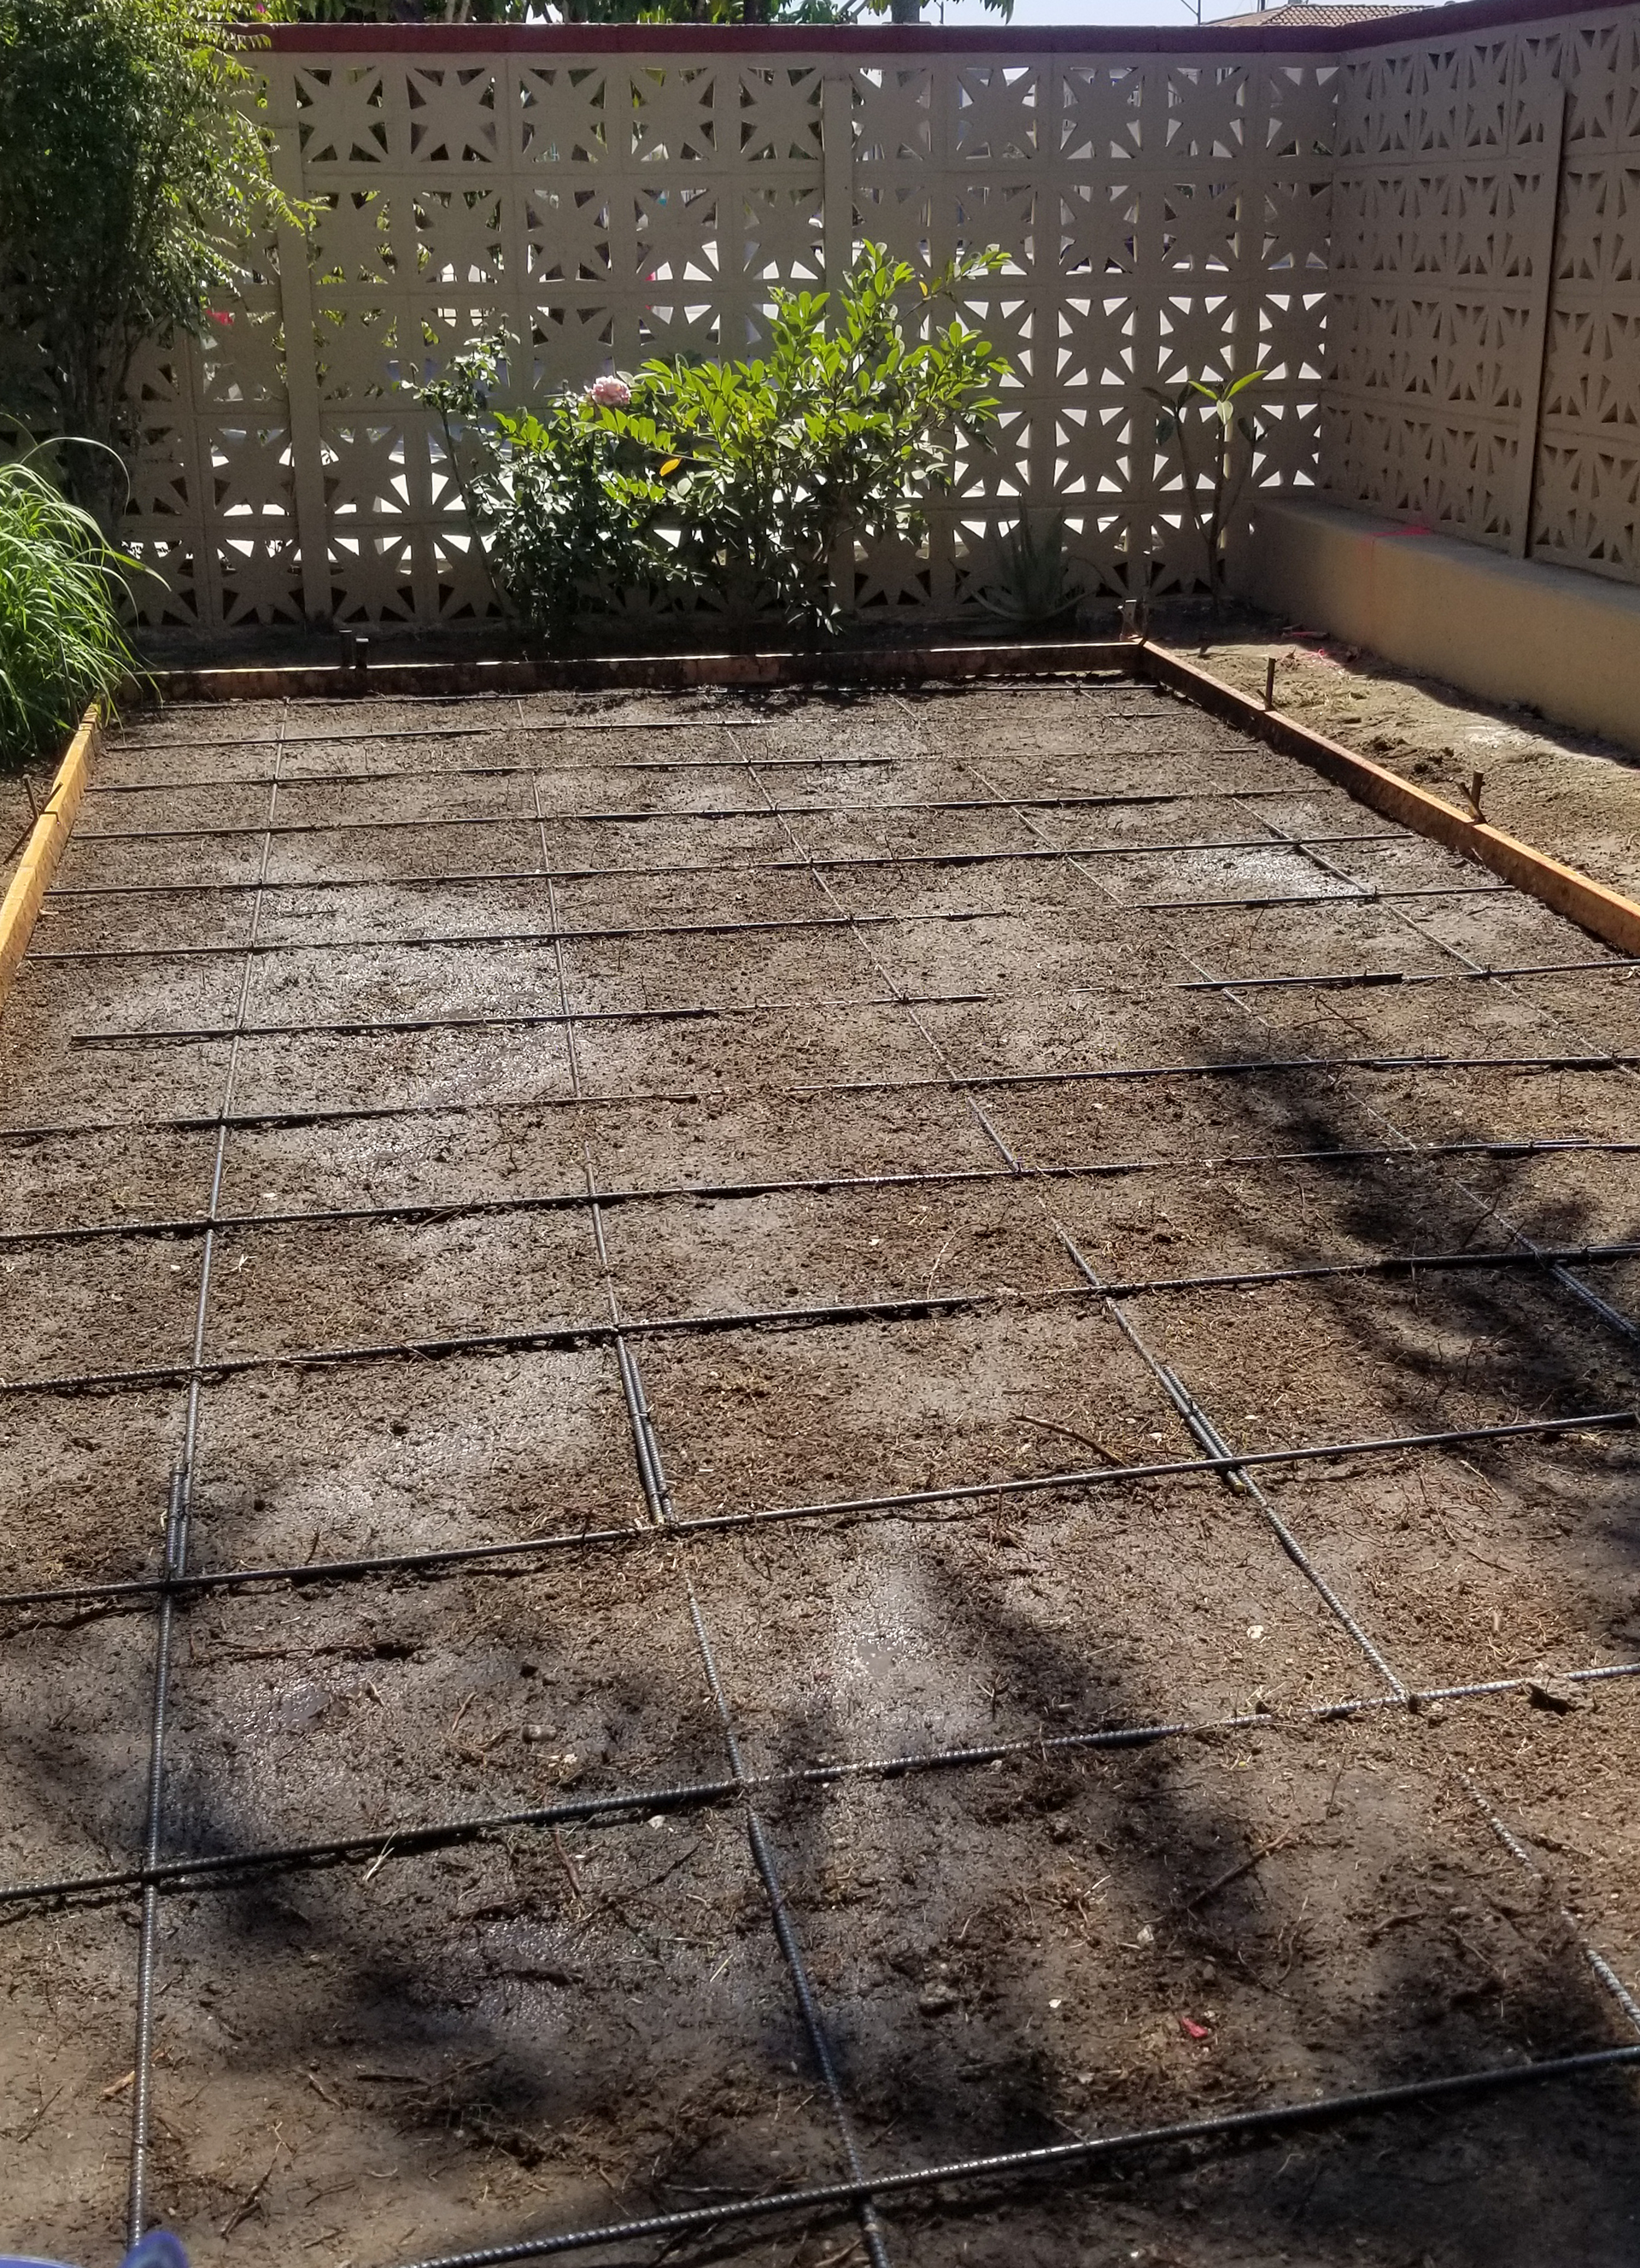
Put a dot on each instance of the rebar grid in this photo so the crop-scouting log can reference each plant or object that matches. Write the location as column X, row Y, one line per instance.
column 1615, row 1317
column 859, row 2194
column 1470, row 969
column 1208, row 1434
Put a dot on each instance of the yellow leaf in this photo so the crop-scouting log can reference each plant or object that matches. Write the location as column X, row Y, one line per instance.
column 671, row 465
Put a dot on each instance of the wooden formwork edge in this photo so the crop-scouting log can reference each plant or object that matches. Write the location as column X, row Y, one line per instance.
column 1605, row 913
column 643, row 672
column 38, row 863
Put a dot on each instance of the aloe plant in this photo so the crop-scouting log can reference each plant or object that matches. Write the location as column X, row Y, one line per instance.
column 1036, row 584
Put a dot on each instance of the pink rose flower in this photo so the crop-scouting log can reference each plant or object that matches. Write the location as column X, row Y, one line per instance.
column 610, row 392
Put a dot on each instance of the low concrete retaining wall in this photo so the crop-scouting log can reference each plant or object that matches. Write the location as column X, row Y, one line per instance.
column 1563, row 642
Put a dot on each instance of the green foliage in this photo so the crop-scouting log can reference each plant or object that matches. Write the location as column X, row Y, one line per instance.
column 617, row 11
column 133, row 170
column 559, row 504
column 741, row 482
column 61, row 644
column 833, row 433
column 414, row 11
column 1036, row 583
column 1202, row 419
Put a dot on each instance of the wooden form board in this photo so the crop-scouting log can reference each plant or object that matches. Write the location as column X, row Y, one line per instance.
column 38, row 863
column 663, row 673
column 1605, row 913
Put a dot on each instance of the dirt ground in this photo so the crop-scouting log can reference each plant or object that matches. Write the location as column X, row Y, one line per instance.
column 698, row 1138
column 1570, row 793
column 17, row 819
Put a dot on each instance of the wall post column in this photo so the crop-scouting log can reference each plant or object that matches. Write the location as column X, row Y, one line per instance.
column 301, row 358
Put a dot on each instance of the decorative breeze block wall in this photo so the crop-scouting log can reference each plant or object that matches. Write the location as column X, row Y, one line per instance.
column 1484, row 365
column 1164, row 216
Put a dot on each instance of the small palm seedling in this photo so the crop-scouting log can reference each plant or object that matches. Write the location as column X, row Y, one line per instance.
column 1204, row 421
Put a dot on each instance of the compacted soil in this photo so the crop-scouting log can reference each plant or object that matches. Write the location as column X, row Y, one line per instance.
column 1571, row 793
column 812, row 1172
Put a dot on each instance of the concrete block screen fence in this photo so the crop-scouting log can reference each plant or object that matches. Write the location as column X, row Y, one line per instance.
column 1429, row 244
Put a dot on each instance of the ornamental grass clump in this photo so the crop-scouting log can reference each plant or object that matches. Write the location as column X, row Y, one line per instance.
column 61, row 591
column 743, row 485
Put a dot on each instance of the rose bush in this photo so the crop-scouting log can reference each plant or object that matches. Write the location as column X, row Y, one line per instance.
column 742, row 483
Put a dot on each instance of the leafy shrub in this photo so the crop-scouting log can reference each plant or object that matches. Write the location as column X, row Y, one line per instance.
column 133, row 162
column 620, row 12
column 740, row 481
column 61, row 643
column 558, row 500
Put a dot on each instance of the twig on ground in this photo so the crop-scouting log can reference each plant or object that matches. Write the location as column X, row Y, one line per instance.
column 567, row 1864
column 1048, row 1425
column 246, row 2204
column 1233, row 1873
column 939, row 1263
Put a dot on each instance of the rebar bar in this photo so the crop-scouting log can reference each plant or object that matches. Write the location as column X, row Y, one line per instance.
column 515, row 1019
column 692, row 814
column 461, row 1558
column 153, row 1830
column 414, row 1839
column 595, row 935
column 830, row 862
column 1226, row 2126
column 909, row 1307
column 501, row 1108
column 176, row 1565
column 421, row 1211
